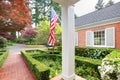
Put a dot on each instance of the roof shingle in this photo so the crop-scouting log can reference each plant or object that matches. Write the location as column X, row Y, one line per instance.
column 99, row 15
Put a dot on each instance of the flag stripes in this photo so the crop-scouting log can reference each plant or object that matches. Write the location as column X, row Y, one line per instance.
column 53, row 21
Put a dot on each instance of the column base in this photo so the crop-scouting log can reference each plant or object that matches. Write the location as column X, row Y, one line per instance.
column 60, row 77
column 71, row 77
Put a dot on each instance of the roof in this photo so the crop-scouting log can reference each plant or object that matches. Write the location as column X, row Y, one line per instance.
column 99, row 15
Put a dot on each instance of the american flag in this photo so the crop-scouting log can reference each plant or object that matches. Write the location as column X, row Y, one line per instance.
column 53, row 21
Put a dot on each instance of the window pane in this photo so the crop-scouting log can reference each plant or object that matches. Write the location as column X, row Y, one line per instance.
column 99, row 37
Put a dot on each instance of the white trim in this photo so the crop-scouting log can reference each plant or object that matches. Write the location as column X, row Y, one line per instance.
column 100, row 46
column 100, row 23
column 105, row 38
column 94, row 38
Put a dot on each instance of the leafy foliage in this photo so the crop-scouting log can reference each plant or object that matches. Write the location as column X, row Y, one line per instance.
column 40, row 70
column 110, row 67
column 3, row 42
column 99, row 5
column 41, row 8
column 3, row 55
column 85, row 67
column 29, row 33
column 95, row 53
column 43, row 32
column 14, row 15
column 6, row 35
column 110, row 2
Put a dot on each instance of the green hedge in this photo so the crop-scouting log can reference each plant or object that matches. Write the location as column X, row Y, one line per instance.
column 90, row 52
column 95, row 53
column 55, row 50
column 3, row 55
column 87, row 67
column 87, row 61
column 9, row 43
column 3, row 42
column 51, row 60
column 40, row 70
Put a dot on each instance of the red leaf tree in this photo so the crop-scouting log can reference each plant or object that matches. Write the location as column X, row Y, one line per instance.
column 29, row 33
column 14, row 15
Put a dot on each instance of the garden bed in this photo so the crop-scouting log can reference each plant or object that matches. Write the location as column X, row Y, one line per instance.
column 40, row 70
column 3, row 55
column 86, row 65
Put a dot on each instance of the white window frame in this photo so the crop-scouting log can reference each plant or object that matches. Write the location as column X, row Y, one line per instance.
column 106, row 40
column 94, row 37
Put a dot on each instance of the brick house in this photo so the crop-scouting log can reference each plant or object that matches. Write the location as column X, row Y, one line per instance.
column 100, row 28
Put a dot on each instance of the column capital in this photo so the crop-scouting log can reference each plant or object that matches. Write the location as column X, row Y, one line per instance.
column 66, row 2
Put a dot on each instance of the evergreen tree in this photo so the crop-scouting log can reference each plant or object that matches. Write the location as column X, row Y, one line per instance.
column 40, row 9
column 99, row 5
column 110, row 2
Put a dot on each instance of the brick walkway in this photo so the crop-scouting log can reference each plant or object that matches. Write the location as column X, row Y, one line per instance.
column 14, row 68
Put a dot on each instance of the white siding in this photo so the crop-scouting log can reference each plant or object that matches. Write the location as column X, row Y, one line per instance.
column 110, row 37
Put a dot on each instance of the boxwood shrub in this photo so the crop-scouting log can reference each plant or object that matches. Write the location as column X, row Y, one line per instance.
column 3, row 55
column 3, row 42
column 95, row 53
column 87, row 67
column 40, row 70
column 54, row 50
column 52, row 60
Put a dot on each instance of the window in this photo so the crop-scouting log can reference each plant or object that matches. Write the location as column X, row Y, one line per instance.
column 99, row 37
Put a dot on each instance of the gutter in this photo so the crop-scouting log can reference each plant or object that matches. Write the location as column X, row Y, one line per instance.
column 100, row 23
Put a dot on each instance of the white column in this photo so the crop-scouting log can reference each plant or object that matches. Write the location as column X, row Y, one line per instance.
column 68, row 62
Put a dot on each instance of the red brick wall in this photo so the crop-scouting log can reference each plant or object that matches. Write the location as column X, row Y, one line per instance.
column 82, row 34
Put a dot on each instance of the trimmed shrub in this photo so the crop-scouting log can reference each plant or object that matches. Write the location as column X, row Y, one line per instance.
column 55, row 50
column 9, row 43
column 51, row 60
column 3, row 42
column 3, row 55
column 40, row 70
column 110, row 67
column 95, row 53
column 87, row 67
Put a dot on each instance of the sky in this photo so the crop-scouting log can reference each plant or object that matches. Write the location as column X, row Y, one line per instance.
column 86, row 6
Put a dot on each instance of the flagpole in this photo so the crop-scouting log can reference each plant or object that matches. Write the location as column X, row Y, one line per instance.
column 53, row 21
